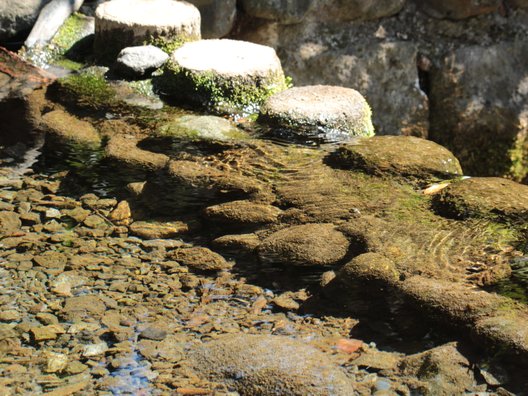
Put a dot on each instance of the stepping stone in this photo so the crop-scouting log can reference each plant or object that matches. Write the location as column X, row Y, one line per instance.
column 320, row 111
column 224, row 75
column 136, row 62
column 125, row 23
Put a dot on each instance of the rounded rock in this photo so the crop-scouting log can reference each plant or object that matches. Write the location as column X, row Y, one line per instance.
column 322, row 111
column 485, row 197
column 202, row 127
column 243, row 212
column 225, row 75
column 140, row 61
column 369, row 267
column 305, row 245
column 406, row 156
column 124, row 23
column 269, row 365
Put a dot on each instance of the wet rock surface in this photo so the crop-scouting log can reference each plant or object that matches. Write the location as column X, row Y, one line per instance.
column 490, row 197
column 270, row 365
column 406, row 156
column 123, row 266
column 305, row 245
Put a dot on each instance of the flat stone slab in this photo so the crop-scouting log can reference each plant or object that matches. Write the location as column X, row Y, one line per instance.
column 406, row 156
column 224, row 73
column 124, row 23
column 324, row 111
column 489, row 197
column 140, row 60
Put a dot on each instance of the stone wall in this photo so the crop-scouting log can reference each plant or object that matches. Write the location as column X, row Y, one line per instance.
column 455, row 71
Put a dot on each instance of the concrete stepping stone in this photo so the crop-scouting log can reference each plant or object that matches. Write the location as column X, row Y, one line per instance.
column 224, row 75
column 319, row 111
column 125, row 23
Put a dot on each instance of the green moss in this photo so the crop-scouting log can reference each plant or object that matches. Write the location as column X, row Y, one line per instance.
column 142, row 87
column 169, row 44
column 89, row 88
column 70, row 32
column 68, row 64
column 519, row 160
column 220, row 95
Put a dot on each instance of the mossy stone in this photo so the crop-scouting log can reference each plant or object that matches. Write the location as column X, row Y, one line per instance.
column 484, row 197
column 224, row 76
column 406, row 156
column 202, row 128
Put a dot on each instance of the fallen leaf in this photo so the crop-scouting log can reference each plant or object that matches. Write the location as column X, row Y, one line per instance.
column 349, row 346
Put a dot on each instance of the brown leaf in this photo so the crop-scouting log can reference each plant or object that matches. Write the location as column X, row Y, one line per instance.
column 349, row 345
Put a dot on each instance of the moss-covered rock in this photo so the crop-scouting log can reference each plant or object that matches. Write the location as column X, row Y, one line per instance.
column 86, row 89
column 305, row 245
column 225, row 76
column 201, row 259
column 370, row 267
column 319, row 111
column 196, row 127
column 243, row 212
column 67, row 128
column 484, row 197
column 406, row 156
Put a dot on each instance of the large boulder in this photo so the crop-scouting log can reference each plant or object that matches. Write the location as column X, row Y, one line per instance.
column 305, row 245
column 479, row 108
column 328, row 112
column 218, row 16
column 291, row 11
column 20, row 97
column 125, row 23
column 459, row 9
column 224, row 75
column 269, row 365
column 17, row 17
column 406, row 156
column 346, row 10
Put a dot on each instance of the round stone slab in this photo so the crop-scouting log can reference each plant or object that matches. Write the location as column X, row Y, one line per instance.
column 125, row 23
column 224, row 75
column 320, row 111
